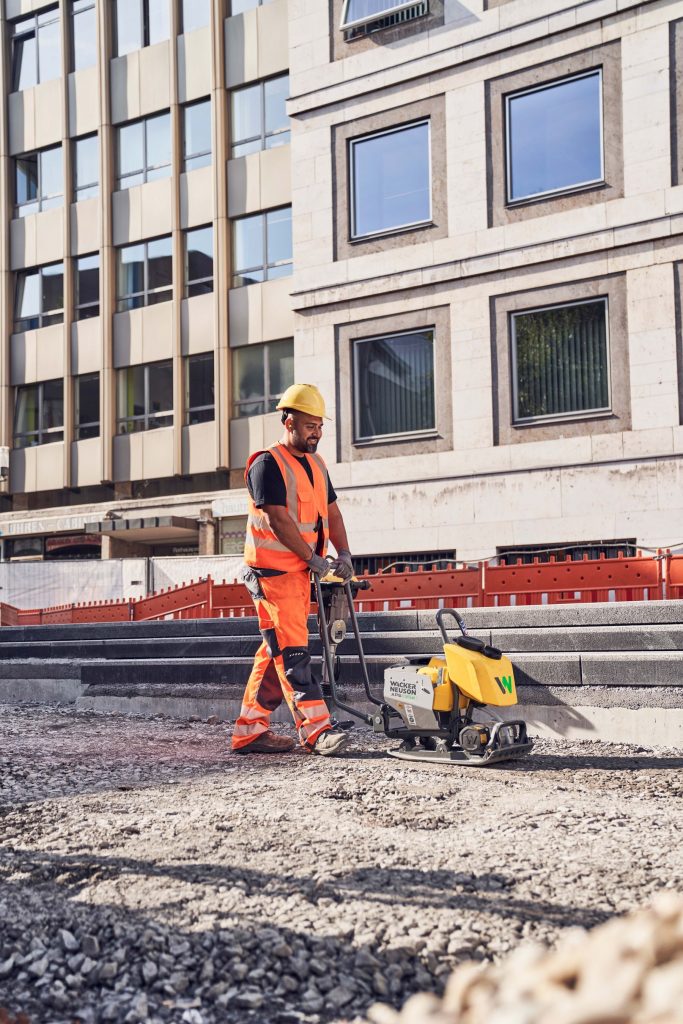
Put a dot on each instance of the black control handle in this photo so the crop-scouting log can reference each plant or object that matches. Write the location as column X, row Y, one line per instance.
column 454, row 615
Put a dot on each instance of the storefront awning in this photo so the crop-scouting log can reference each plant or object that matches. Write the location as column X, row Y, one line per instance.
column 150, row 530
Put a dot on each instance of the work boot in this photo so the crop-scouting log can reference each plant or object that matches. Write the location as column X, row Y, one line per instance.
column 330, row 743
column 267, row 743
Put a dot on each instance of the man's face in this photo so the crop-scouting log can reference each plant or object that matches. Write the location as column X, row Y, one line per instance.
column 305, row 431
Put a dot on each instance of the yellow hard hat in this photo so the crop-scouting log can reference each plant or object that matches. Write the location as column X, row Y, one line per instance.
column 303, row 398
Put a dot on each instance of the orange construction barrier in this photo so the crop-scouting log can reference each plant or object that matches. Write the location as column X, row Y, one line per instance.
column 674, row 574
column 561, row 582
column 457, row 588
column 624, row 578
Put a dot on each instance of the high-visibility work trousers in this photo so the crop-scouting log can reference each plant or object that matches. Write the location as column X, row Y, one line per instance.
column 282, row 665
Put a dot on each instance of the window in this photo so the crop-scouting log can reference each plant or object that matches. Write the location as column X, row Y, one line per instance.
column 36, row 49
column 261, row 373
column 197, row 135
column 83, row 34
column 403, row 561
column 144, row 274
column 39, row 297
column 560, row 361
column 196, row 14
column 144, row 151
column 258, row 116
column 39, row 181
column 145, row 397
column 554, row 137
column 199, row 398
column 262, row 246
column 87, row 283
column 544, row 553
column 198, row 261
column 390, row 180
column 380, row 13
column 86, row 160
column 39, row 414
column 240, row 6
column 140, row 23
column 87, row 406
column 394, row 386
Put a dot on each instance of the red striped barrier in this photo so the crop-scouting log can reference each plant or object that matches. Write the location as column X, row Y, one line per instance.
column 637, row 578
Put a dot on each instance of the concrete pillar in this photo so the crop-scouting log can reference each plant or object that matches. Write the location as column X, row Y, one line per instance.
column 208, row 533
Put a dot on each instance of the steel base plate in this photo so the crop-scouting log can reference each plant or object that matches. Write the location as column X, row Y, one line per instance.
column 458, row 757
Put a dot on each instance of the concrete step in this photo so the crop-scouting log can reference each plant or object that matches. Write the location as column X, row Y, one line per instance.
column 162, row 644
column 564, row 669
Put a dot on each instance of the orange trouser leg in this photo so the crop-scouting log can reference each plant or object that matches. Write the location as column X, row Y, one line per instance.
column 282, row 665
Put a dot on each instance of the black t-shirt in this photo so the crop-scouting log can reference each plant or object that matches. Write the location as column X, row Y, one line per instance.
column 267, row 486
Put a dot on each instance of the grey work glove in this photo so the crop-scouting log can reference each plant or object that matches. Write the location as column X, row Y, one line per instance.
column 342, row 566
column 320, row 566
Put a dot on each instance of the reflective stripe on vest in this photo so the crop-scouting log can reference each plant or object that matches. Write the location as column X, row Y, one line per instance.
column 262, row 549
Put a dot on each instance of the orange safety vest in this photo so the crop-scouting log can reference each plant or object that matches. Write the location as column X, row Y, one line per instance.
column 306, row 504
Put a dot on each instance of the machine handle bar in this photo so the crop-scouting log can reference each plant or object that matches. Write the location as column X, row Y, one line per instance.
column 455, row 615
column 327, row 652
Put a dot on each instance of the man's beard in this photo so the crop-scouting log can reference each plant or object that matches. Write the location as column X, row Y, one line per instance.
column 308, row 446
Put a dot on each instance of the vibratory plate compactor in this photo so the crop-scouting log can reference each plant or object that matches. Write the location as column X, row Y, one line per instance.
column 429, row 703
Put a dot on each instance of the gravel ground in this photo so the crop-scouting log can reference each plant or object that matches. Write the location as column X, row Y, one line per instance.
column 149, row 875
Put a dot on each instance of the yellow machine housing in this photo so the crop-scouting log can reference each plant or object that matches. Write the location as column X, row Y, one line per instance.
column 476, row 677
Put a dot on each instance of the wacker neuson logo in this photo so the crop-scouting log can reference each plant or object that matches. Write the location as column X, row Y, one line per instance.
column 505, row 684
column 403, row 690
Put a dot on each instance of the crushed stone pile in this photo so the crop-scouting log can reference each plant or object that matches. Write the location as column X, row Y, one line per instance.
column 148, row 876
column 627, row 971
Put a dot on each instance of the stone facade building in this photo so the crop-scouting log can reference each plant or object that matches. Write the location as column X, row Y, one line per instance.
column 461, row 219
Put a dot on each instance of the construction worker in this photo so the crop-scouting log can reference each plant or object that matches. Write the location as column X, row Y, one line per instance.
column 293, row 513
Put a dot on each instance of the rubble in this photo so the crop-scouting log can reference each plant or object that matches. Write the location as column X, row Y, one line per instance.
column 146, row 875
column 627, row 971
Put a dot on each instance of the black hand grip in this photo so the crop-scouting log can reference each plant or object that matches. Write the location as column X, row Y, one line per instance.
column 455, row 615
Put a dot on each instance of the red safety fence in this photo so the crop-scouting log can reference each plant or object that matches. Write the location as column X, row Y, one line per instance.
column 673, row 572
column 638, row 578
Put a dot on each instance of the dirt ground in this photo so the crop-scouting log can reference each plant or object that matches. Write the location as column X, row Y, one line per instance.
column 149, row 875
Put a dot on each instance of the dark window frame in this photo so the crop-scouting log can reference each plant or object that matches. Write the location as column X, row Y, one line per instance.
column 39, row 21
column 190, row 419
column 426, row 433
column 55, row 316
column 192, row 288
column 567, row 189
column 264, row 135
column 392, row 7
column 88, row 5
column 147, row 418
column 78, row 189
column 354, row 236
column 91, row 428
column 144, row 27
column 267, row 264
column 40, row 199
column 567, row 417
column 187, row 157
column 146, row 291
column 146, row 168
column 41, row 433
column 266, row 398
column 79, row 306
